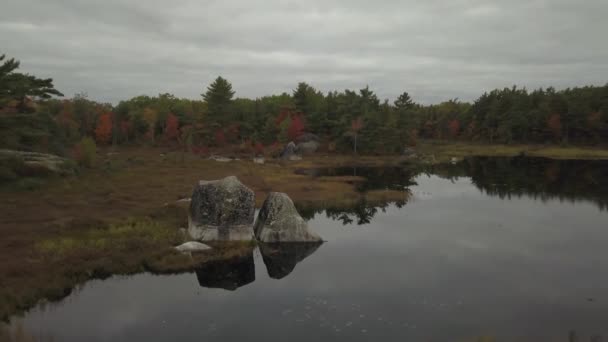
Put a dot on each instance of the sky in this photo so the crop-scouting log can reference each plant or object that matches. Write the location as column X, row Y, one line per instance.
column 435, row 50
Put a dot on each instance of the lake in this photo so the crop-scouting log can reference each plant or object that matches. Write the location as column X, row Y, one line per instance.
column 504, row 248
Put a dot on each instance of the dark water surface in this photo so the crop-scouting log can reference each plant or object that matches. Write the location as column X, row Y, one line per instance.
column 512, row 248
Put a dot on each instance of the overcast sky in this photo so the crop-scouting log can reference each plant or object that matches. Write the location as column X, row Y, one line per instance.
column 435, row 50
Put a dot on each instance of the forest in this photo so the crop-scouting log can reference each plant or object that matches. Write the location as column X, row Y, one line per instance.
column 34, row 116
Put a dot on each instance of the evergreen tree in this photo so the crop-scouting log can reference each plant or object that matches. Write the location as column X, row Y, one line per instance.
column 219, row 100
column 17, row 86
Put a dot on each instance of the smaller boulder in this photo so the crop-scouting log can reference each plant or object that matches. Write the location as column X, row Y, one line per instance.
column 308, row 147
column 289, row 150
column 279, row 221
column 258, row 160
column 192, row 246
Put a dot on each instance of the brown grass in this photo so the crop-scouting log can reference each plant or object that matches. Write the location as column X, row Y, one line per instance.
column 77, row 228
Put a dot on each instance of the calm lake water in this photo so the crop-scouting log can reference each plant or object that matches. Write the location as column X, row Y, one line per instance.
column 512, row 248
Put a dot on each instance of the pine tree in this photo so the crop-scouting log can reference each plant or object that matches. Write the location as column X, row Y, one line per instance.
column 17, row 86
column 404, row 101
column 219, row 100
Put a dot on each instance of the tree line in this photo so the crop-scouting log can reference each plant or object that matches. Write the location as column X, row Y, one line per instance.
column 33, row 117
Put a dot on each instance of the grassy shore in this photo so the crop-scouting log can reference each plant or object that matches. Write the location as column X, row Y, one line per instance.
column 123, row 217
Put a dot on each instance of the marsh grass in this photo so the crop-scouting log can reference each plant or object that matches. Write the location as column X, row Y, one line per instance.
column 443, row 151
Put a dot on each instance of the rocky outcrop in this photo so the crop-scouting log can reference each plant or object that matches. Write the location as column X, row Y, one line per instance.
column 228, row 274
column 279, row 221
column 34, row 164
column 281, row 258
column 308, row 147
column 221, row 210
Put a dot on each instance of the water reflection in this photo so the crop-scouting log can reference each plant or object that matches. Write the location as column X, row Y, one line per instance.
column 281, row 258
column 228, row 274
column 232, row 273
column 452, row 266
column 504, row 177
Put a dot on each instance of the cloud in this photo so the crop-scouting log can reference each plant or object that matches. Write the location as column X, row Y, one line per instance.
column 435, row 50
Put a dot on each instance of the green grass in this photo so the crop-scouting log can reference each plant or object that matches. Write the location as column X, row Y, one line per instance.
column 130, row 235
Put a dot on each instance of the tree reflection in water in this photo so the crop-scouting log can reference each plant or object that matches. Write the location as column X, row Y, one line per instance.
column 504, row 177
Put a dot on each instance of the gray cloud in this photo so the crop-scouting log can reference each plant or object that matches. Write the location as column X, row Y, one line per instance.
column 435, row 50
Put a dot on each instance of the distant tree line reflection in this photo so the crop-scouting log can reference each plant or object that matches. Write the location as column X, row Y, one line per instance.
column 505, row 177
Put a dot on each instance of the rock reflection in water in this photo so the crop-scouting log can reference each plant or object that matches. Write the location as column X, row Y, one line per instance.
column 235, row 272
column 281, row 258
column 228, row 274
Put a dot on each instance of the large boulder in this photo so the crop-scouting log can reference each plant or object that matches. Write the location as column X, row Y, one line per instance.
column 308, row 147
column 221, row 210
column 289, row 151
column 279, row 221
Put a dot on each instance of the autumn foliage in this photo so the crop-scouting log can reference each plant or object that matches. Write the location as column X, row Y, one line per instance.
column 220, row 138
column 171, row 128
column 555, row 125
column 296, row 127
column 103, row 130
column 454, row 128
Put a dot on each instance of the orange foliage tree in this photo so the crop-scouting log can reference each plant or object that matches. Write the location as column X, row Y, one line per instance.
column 554, row 124
column 454, row 128
column 103, row 130
column 171, row 128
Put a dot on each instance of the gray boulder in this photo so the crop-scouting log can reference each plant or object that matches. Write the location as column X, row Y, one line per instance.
column 279, row 221
column 221, row 210
column 289, row 151
column 308, row 147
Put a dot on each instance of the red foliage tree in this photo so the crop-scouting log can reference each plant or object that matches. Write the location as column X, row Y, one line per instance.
column 296, row 127
column 171, row 128
column 454, row 128
column 220, row 138
column 282, row 116
column 103, row 130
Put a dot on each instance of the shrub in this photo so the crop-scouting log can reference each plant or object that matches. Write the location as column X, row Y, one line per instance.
column 85, row 152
